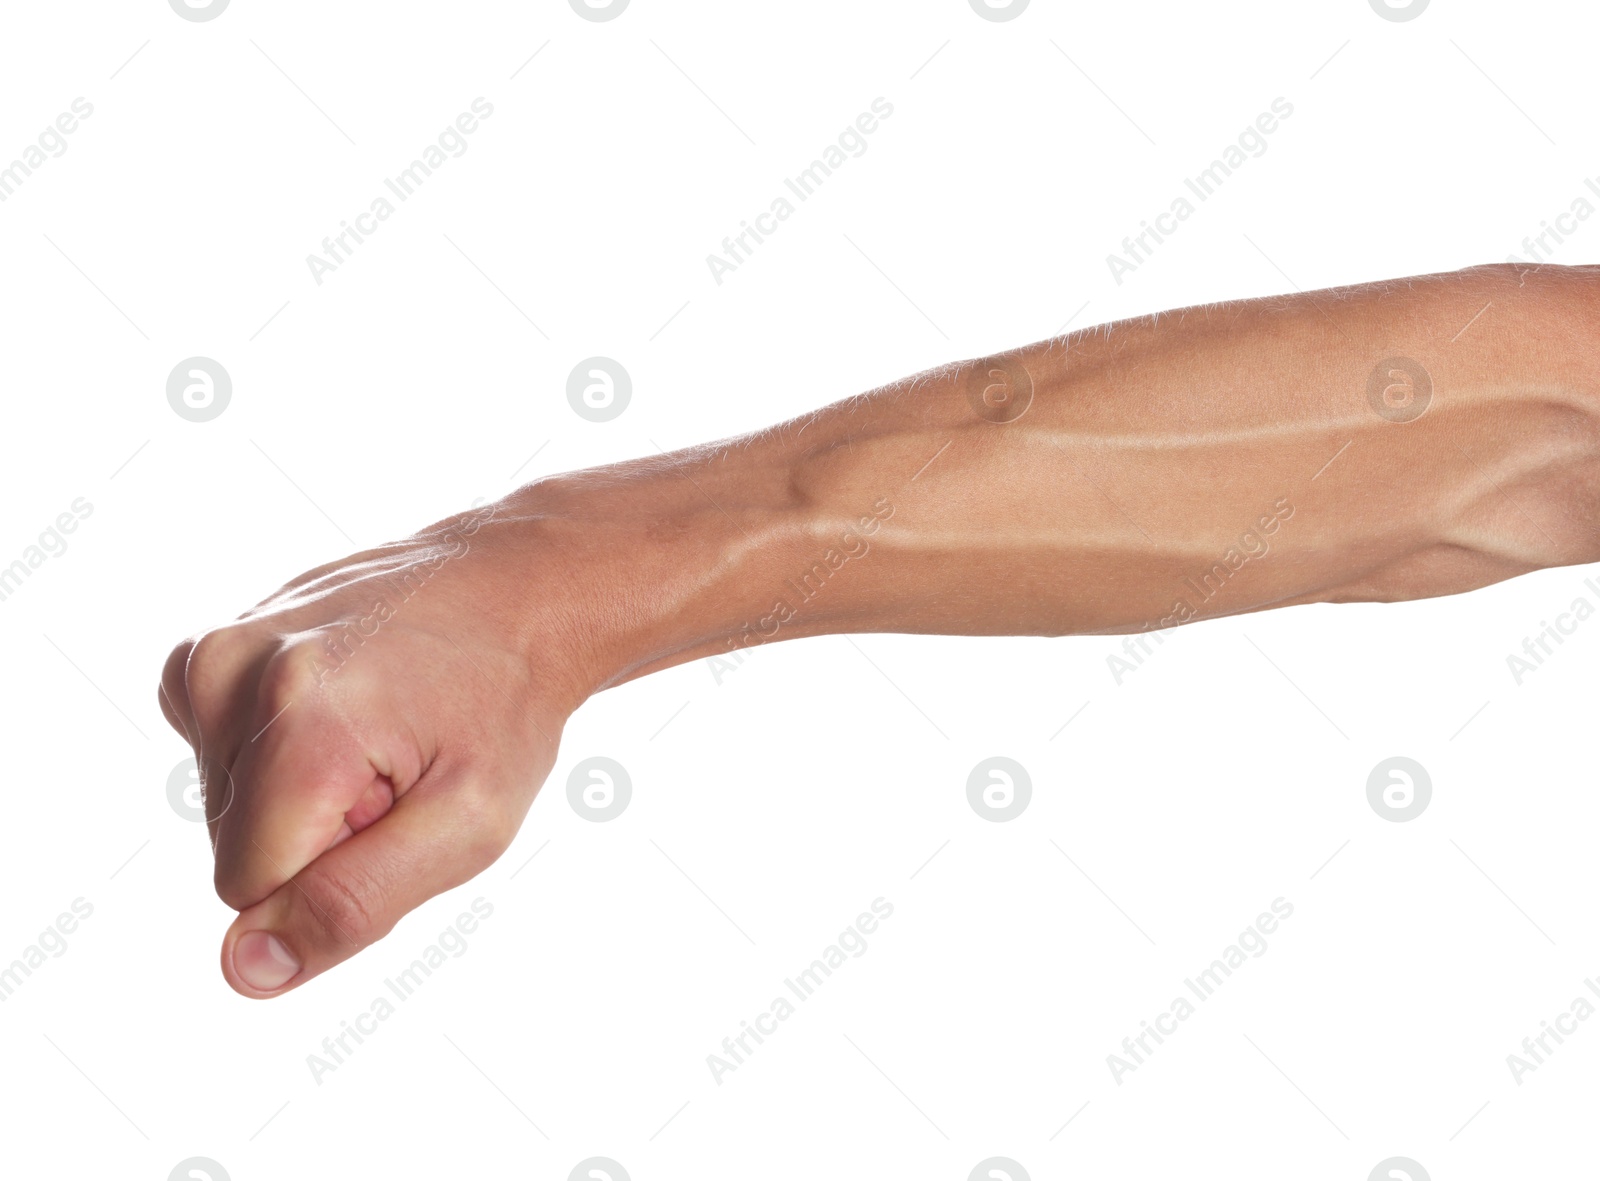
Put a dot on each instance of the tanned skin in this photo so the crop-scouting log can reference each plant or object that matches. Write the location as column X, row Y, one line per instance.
column 374, row 733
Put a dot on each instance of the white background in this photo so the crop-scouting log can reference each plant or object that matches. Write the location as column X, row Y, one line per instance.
column 772, row 808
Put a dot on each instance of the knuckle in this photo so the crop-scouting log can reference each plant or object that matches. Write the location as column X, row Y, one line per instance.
column 292, row 673
column 486, row 823
column 338, row 907
column 231, row 887
column 174, row 676
column 211, row 662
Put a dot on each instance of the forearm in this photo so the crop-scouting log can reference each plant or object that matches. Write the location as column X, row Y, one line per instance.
column 1196, row 464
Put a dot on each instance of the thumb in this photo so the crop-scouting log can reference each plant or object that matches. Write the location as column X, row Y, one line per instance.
column 447, row 829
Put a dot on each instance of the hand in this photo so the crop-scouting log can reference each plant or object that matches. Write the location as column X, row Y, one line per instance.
column 368, row 737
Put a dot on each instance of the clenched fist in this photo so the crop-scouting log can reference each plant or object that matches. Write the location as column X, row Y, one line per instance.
column 369, row 736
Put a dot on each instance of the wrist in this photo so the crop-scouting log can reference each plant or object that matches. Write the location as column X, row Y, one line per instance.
column 622, row 570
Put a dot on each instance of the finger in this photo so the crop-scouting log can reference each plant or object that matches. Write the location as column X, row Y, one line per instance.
column 217, row 682
column 174, row 693
column 305, row 774
column 443, row 832
column 171, row 714
column 317, row 757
